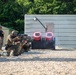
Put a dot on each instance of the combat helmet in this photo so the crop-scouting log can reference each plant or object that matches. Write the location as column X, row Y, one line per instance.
column 14, row 32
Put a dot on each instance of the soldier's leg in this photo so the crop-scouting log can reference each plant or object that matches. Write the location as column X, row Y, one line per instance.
column 8, row 51
column 19, row 49
column 6, row 46
column 28, row 45
column 1, row 43
column 11, row 52
column 25, row 47
column 15, row 53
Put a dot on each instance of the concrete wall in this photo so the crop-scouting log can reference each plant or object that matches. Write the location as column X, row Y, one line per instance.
column 64, row 28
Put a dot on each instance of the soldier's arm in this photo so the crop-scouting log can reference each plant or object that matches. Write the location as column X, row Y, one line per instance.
column 16, row 39
column 9, row 38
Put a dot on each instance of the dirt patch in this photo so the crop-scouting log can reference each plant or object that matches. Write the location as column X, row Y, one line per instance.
column 40, row 62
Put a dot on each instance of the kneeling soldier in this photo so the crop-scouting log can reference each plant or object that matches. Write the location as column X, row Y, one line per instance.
column 11, row 43
column 26, row 43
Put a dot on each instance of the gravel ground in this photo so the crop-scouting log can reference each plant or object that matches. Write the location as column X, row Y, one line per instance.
column 40, row 62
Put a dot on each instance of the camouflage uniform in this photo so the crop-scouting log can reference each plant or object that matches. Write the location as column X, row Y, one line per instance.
column 11, row 43
column 26, row 43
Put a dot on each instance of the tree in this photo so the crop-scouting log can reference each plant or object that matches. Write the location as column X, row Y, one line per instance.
column 12, row 11
column 12, row 15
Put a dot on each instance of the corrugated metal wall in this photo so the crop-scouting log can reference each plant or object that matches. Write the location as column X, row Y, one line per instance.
column 64, row 28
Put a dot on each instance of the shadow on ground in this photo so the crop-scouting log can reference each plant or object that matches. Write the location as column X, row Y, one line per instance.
column 38, row 59
column 45, row 59
column 33, row 52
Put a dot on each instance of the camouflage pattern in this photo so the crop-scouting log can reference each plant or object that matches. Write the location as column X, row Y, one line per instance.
column 26, row 43
column 11, row 44
column 18, row 45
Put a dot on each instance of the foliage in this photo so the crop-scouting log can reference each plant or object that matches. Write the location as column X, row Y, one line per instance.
column 12, row 11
